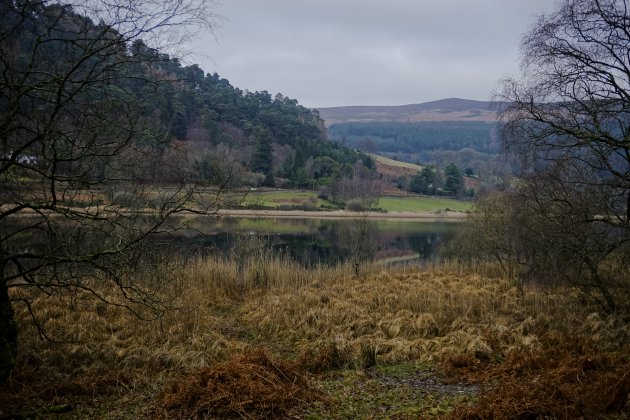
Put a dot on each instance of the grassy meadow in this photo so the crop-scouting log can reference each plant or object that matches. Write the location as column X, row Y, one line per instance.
column 309, row 199
column 268, row 338
column 422, row 204
column 286, row 198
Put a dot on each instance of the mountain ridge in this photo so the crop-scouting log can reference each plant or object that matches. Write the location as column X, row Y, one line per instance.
column 448, row 109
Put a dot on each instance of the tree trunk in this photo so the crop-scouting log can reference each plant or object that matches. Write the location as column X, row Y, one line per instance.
column 8, row 333
column 609, row 306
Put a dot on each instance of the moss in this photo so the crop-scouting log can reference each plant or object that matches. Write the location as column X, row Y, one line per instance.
column 403, row 391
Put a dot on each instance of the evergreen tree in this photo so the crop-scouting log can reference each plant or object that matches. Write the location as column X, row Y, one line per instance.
column 424, row 181
column 454, row 180
column 263, row 157
column 300, row 178
column 269, row 180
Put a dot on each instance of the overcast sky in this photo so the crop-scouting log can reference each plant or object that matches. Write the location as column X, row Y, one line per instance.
column 368, row 52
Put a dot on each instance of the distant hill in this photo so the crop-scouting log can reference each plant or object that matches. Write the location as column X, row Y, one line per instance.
column 452, row 109
column 459, row 131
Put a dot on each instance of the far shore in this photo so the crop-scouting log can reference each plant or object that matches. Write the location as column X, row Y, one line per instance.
column 345, row 214
column 298, row 214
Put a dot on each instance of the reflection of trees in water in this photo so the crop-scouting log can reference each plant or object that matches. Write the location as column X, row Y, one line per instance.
column 428, row 244
column 331, row 242
column 358, row 239
column 310, row 249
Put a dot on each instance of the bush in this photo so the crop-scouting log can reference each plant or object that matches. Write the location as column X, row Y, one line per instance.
column 355, row 205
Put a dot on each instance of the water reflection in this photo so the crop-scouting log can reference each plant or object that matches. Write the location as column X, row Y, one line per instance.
column 322, row 241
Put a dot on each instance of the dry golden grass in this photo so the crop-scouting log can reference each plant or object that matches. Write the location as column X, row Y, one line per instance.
column 100, row 349
column 424, row 315
column 329, row 317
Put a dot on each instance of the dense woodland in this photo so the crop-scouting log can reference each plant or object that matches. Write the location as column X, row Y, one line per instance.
column 408, row 137
column 268, row 135
column 468, row 144
column 197, row 120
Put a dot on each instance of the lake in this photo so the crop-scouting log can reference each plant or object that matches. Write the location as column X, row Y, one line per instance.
column 312, row 241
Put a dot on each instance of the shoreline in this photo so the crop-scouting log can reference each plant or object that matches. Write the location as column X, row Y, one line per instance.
column 343, row 214
column 304, row 214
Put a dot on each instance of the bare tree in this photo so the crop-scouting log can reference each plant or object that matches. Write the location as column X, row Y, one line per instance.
column 80, row 153
column 358, row 241
column 566, row 126
column 359, row 193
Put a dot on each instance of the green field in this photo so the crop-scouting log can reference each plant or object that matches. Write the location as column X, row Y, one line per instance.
column 422, row 204
column 280, row 198
column 306, row 199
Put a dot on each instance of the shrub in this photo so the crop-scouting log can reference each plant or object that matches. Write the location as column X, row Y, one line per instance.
column 355, row 205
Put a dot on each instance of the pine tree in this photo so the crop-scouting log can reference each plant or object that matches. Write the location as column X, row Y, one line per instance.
column 454, row 180
column 263, row 156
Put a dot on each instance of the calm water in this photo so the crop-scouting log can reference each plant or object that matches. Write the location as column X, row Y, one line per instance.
column 314, row 241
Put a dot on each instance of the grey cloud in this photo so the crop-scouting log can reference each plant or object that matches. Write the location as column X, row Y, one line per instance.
column 349, row 52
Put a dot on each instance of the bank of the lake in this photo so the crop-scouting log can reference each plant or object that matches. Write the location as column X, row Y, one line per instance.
column 345, row 214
